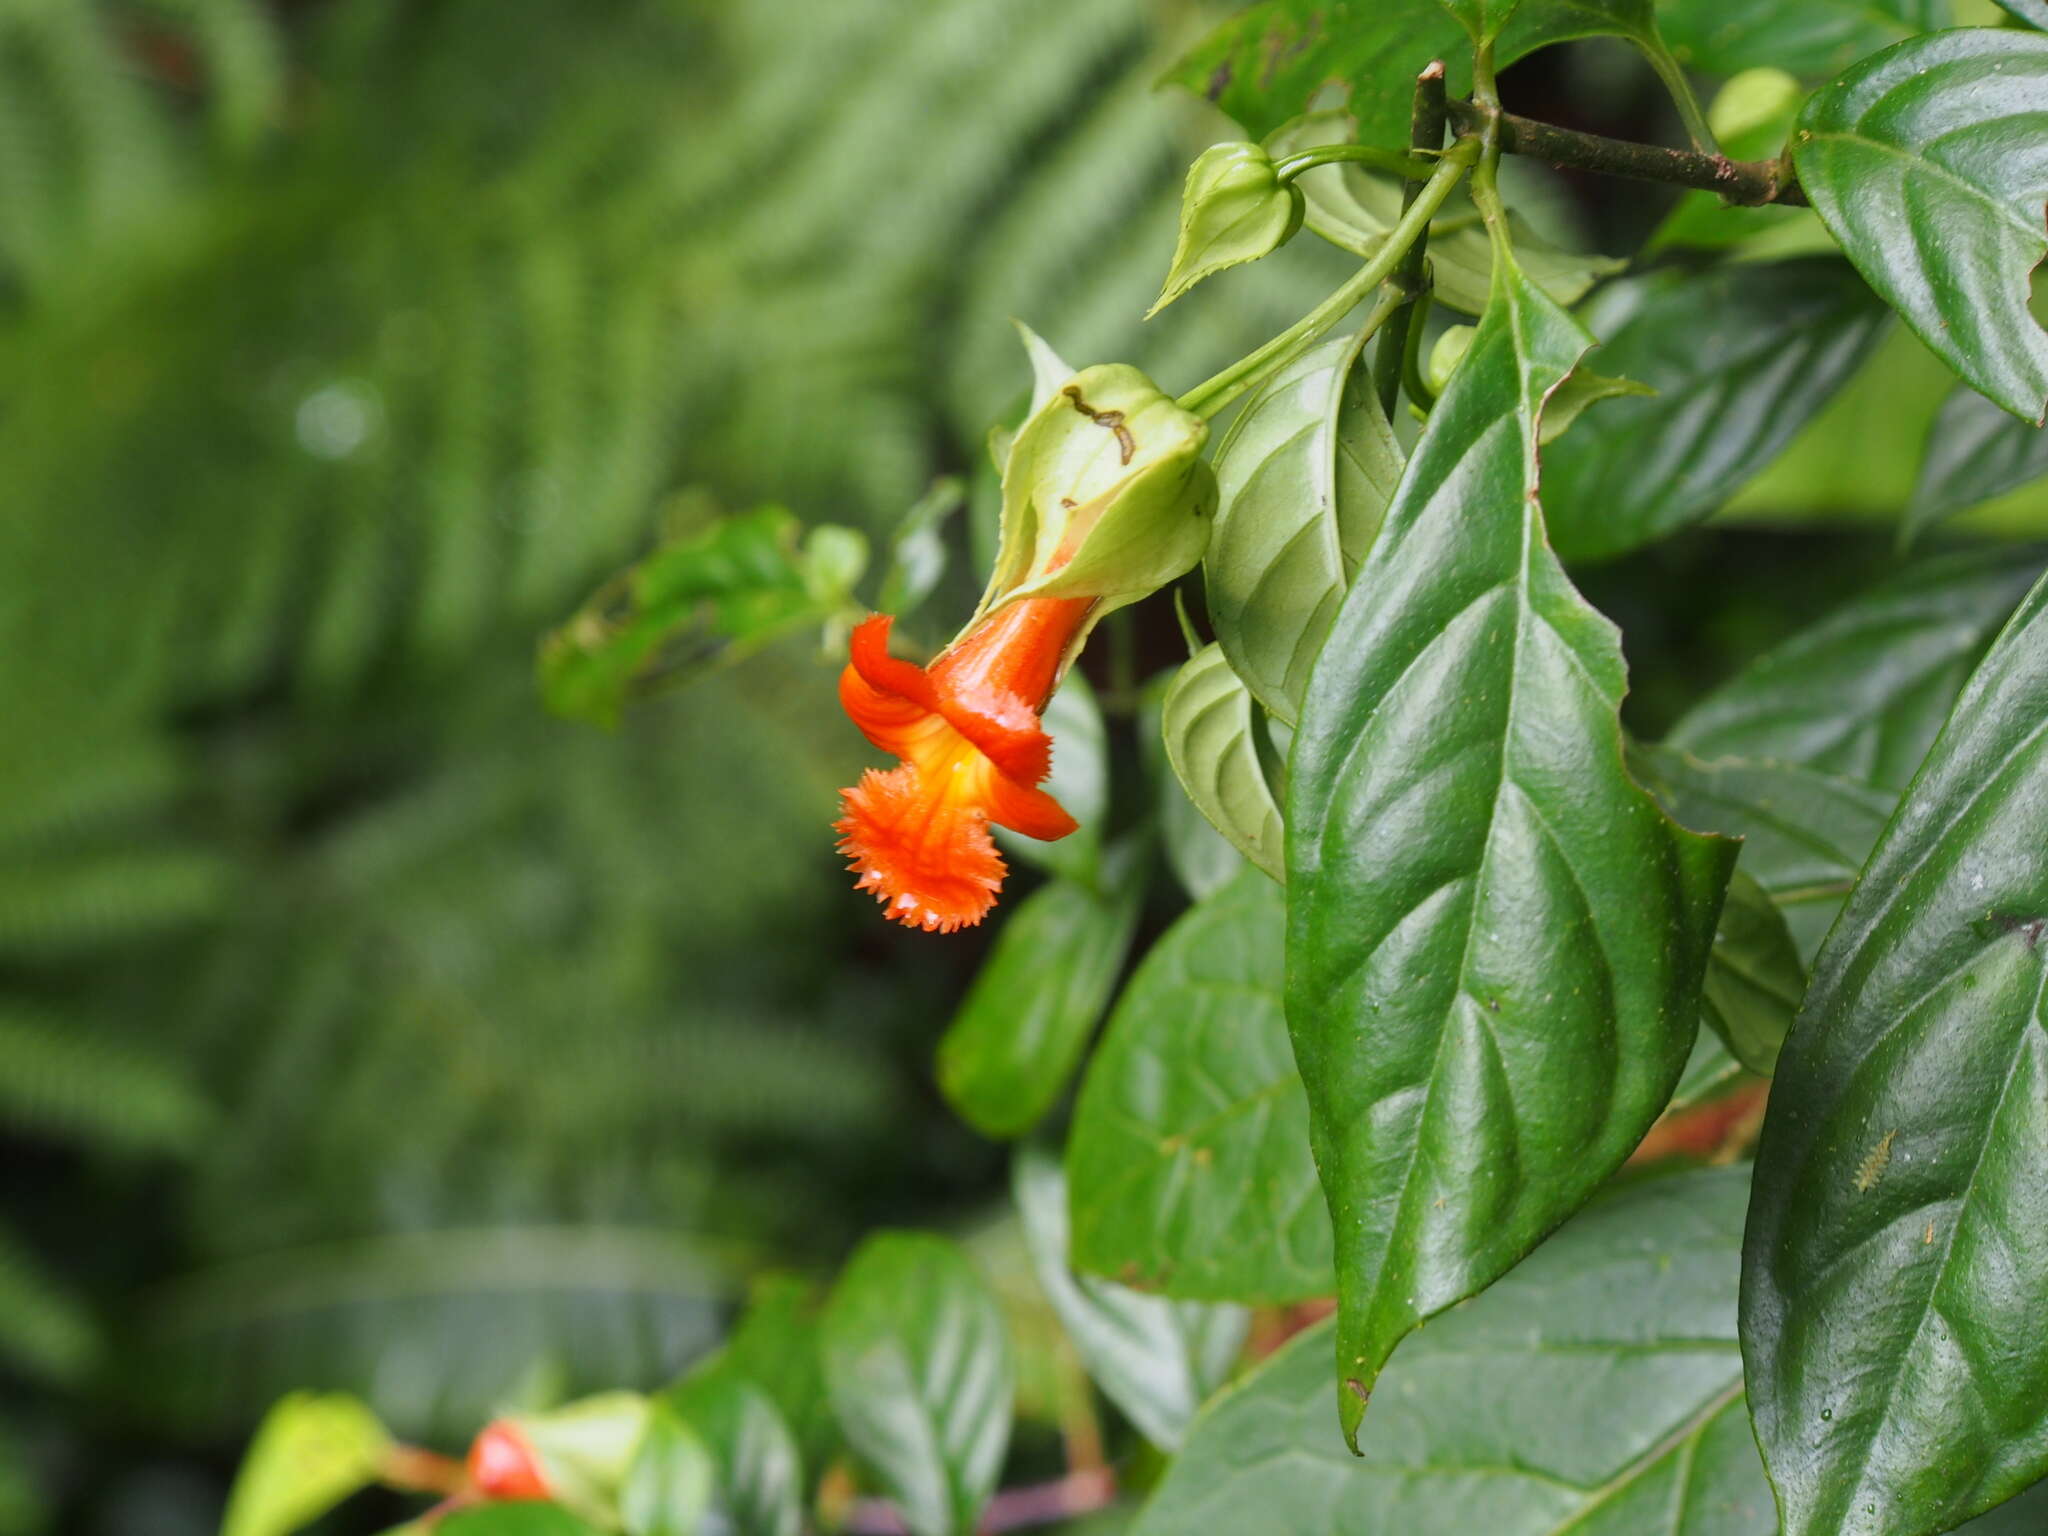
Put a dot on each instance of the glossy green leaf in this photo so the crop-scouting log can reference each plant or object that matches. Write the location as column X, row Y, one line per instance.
column 1079, row 781
column 1925, row 163
column 1755, row 977
column 667, row 1489
column 1808, row 37
column 311, row 1451
column 1157, row 1360
column 696, row 603
column 776, row 1347
column 1202, row 859
column 1596, row 1391
column 2033, row 12
column 759, row 1471
column 1539, row 22
column 1896, row 1272
column 521, row 1517
column 2026, row 1515
column 1188, row 1165
column 1303, row 478
column 1806, row 834
column 918, row 1365
column 1495, row 939
column 1353, row 208
column 1484, row 19
column 1578, row 394
column 1862, row 692
column 1233, row 209
column 1018, row 1035
column 1207, row 723
column 1975, row 452
column 1740, row 358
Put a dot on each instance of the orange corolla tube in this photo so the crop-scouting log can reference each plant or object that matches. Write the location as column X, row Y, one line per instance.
column 973, row 752
column 503, row 1466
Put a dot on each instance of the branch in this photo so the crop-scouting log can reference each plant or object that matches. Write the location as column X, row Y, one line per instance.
column 1750, row 183
column 1426, row 136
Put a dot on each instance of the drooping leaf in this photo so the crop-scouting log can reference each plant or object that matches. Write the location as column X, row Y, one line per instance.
column 1806, row 834
column 918, row 1365
column 1207, row 724
column 1015, row 1041
column 1975, row 452
column 1861, row 693
column 310, row 1452
column 1813, row 38
column 1303, row 478
column 667, row 1488
column 1354, row 208
column 759, row 1472
column 1157, row 1360
column 1596, row 1390
column 1755, row 978
column 1188, row 1166
column 1925, row 164
column 1740, row 358
column 1495, row 939
column 1202, row 859
column 698, row 602
column 1079, row 781
column 1896, row 1269
column 1578, row 394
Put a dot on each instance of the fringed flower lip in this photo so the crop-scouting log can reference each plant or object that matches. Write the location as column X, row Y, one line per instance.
column 972, row 752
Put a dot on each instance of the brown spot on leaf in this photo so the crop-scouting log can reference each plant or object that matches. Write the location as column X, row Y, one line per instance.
column 1219, row 80
column 1358, row 1389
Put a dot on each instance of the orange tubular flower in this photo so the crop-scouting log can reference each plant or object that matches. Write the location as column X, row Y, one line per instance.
column 973, row 752
column 503, row 1466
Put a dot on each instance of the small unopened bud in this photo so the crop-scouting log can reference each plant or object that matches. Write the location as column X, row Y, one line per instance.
column 1444, row 357
column 502, row 1465
column 1234, row 209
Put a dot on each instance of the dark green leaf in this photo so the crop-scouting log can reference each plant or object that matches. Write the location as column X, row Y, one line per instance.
column 1303, row 478
column 1202, row 859
column 760, row 1478
column 1014, row 1043
column 1740, row 358
column 521, row 1517
column 918, row 1365
column 1157, row 1360
column 1079, row 781
column 1596, row 1390
column 1539, row 22
column 1495, row 939
column 1754, row 976
column 2026, row 1515
column 1207, row 724
column 1354, row 208
column 311, row 1452
column 1188, row 1166
column 667, row 1489
column 696, row 603
column 776, row 1347
column 1808, row 37
column 1975, row 452
column 1862, row 693
column 1925, row 164
column 1896, row 1271
column 1806, row 834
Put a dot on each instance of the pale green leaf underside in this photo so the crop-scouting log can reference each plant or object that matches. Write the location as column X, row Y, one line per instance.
column 1207, row 724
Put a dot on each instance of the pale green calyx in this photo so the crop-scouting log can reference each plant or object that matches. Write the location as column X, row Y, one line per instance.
column 585, row 1448
column 1234, row 209
column 1105, row 491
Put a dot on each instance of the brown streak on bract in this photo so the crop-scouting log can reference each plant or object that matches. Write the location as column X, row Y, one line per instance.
column 1112, row 421
column 1219, row 80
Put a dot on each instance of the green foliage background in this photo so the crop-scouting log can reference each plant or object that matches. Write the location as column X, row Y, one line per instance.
column 360, row 1025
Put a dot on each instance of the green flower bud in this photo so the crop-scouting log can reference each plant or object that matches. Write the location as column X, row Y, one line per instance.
column 1234, row 209
column 1449, row 351
column 1105, row 491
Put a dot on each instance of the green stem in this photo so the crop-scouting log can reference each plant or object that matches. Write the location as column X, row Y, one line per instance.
column 1253, row 369
column 1411, row 358
column 1411, row 167
column 1672, row 73
column 1425, row 133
